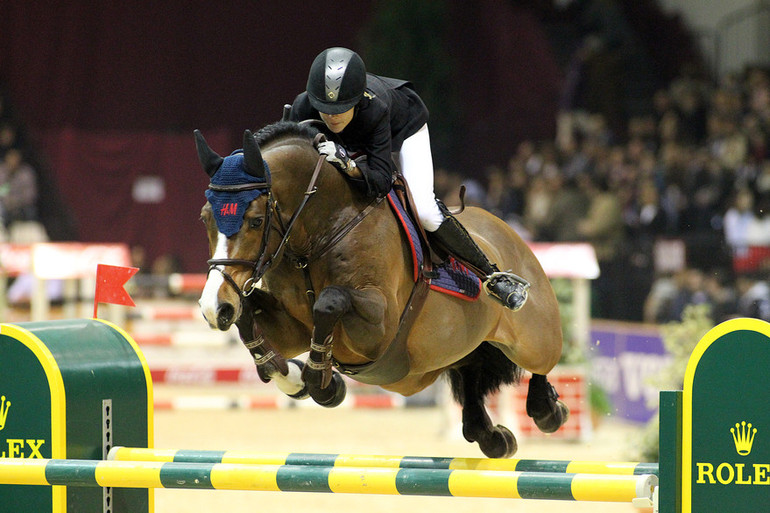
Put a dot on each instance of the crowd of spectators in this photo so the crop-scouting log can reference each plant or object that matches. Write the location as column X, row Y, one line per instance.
column 676, row 206
column 19, row 218
column 693, row 173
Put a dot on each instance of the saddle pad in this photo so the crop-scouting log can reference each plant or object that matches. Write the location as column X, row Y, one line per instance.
column 453, row 277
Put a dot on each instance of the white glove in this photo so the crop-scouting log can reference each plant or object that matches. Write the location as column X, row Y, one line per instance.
column 337, row 155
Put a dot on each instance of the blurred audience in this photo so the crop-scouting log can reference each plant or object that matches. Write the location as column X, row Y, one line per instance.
column 569, row 204
column 18, row 190
column 753, row 297
column 695, row 169
column 20, row 222
column 602, row 226
column 9, row 138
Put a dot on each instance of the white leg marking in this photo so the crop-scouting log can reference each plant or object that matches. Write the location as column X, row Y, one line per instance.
column 208, row 301
column 292, row 382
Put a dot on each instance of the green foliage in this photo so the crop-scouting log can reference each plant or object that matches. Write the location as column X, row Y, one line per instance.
column 649, row 441
column 679, row 339
column 599, row 400
column 572, row 351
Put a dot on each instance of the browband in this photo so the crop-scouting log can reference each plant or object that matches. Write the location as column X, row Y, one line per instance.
column 238, row 187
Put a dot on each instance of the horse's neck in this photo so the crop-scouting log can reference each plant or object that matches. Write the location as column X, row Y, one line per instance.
column 327, row 213
column 332, row 203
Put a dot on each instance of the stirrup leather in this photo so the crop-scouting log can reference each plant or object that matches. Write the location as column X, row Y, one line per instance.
column 508, row 288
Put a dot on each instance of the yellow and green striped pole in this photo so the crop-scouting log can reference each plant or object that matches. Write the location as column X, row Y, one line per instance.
column 317, row 478
column 360, row 460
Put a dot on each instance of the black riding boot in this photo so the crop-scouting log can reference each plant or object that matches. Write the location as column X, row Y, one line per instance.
column 506, row 287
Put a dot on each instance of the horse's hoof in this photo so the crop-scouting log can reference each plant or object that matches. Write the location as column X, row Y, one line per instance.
column 499, row 444
column 554, row 420
column 311, row 376
column 331, row 396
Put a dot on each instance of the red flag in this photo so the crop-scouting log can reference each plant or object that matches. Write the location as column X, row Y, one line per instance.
column 109, row 285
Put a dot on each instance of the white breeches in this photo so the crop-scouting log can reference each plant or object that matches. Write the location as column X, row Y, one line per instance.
column 416, row 164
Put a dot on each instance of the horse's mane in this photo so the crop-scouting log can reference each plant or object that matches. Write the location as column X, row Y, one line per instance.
column 281, row 129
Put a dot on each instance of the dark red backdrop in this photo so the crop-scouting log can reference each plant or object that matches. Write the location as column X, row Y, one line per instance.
column 111, row 92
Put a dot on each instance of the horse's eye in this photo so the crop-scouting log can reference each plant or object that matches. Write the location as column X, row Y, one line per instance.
column 256, row 222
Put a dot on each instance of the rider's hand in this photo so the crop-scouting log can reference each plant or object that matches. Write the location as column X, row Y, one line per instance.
column 338, row 156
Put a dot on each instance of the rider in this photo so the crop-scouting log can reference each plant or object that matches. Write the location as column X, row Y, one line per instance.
column 375, row 116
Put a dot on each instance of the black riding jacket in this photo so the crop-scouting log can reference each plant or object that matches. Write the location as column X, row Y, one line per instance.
column 389, row 112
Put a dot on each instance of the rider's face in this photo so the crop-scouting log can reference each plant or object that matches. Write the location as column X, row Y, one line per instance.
column 338, row 122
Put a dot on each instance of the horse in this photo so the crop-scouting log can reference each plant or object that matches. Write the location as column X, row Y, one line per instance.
column 301, row 260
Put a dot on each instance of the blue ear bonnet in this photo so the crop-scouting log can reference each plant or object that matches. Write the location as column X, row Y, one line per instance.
column 230, row 206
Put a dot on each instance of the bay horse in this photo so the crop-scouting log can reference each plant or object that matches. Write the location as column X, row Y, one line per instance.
column 302, row 261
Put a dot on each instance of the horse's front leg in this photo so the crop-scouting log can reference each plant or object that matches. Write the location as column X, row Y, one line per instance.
column 326, row 386
column 261, row 312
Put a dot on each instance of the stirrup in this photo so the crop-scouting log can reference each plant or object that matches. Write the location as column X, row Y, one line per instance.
column 508, row 288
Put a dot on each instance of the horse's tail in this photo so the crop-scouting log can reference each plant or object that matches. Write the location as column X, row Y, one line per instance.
column 488, row 367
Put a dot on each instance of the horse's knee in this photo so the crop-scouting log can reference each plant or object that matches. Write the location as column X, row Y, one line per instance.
column 369, row 304
column 331, row 303
column 366, row 322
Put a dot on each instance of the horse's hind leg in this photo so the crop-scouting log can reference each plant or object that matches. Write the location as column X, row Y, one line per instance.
column 543, row 405
column 475, row 376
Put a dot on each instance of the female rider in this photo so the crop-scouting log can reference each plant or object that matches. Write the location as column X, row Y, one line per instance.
column 377, row 116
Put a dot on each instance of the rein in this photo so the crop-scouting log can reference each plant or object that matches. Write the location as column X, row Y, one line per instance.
column 301, row 262
column 263, row 263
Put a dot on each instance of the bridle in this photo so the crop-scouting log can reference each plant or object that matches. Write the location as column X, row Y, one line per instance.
column 262, row 264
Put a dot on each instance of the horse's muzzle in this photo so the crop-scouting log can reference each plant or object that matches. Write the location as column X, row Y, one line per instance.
column 225, row 316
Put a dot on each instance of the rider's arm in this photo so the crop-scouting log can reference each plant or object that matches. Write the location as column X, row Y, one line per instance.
column 373, row 173
column 376, row 166
column 354, row 171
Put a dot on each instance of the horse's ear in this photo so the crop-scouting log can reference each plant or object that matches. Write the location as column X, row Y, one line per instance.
column 252, row 157
column 208, row 157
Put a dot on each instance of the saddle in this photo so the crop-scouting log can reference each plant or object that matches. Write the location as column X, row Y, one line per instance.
column 449, row 276
column 446, row 275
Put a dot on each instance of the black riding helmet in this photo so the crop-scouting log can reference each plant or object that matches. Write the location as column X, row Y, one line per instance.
column 336, row 81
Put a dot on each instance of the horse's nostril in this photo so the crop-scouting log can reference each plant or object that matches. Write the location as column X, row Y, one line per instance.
column 225, row 314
